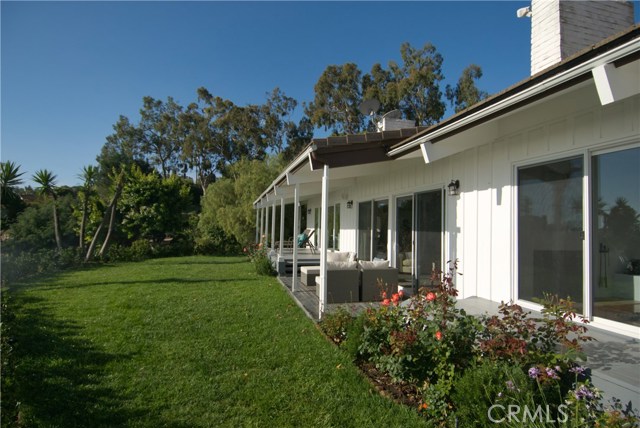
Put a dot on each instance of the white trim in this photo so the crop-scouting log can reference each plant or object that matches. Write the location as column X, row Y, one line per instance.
column 323, row 241
column 296, row 227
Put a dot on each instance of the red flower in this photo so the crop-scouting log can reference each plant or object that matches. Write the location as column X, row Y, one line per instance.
column 384, row 294
column 401, row 294
column 386, row 302
column 431, row 296
column 395, row 298
column 438, row 335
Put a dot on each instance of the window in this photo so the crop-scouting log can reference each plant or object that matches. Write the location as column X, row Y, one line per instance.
column 373, row 227
column 550, row 230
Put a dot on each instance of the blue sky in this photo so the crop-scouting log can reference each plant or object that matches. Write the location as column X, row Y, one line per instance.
column 70, row 69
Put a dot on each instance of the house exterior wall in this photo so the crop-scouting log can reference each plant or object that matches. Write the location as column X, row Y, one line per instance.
column 479, row 225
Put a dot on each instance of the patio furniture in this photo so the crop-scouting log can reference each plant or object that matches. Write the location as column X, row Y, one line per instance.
column 376, row 277
column 343, row 282
column 308, row 275
column 304, row 239
column 405, row 261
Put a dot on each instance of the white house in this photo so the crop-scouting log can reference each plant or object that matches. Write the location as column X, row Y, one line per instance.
column 548, row 175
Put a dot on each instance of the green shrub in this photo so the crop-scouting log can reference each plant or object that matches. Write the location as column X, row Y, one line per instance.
column 336, row 324
column 258, row 256
column 16, row 266
column 355, row 332
column 489, row 383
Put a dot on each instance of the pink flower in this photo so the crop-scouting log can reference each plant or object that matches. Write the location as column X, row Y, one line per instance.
column 395, row 298
column 386, row 302
column 431, row 296
column 438, row 335
column 401, row 294
column 384, row 294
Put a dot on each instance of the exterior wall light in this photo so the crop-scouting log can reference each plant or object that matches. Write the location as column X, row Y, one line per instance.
column 453, row 187
column 349, row 204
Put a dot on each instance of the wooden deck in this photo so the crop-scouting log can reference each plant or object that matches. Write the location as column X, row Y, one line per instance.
column 306, row 298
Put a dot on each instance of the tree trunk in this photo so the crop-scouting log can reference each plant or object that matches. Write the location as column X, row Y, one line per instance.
column 109, row 213
column 107, row 238
column 56, row 225
column 83, row 223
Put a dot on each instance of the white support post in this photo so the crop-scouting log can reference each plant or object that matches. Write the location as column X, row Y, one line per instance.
column 273, row 226
column 281, row 249
column 324, row 239
column 257, row 225
column 266, row 226
column 264, row 220
column 296, row 227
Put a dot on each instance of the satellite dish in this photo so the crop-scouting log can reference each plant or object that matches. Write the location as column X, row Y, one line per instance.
column 369, row 107
column 393, row 114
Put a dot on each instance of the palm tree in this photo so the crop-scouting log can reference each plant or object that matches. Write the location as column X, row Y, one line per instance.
column 11, row 202
column 89, row 176
column 46, row 181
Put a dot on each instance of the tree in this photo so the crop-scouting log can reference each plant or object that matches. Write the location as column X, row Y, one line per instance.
column 229, row 202
column 161, row 135
column 46, row 181
column 465, row 94
column 338, row 93
column 12, row 203
column 276, row 119
column 416, row 84
column 153, row 207
column 89, row 176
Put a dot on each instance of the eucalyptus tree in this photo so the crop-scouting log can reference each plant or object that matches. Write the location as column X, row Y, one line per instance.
column 416, row 83
column 466, row 93
column 89, row 177
column 161, row 134
column 12, row 204
column 46, row 182
column 338, row 93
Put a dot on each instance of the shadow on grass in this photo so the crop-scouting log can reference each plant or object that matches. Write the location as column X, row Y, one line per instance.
column 179, row 281
column 59, row 376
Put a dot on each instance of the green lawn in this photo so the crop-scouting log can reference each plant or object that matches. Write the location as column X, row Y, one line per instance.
column 181, row 342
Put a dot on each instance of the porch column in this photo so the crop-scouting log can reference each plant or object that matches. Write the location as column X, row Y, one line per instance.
column 266, row 225
column 296, row 226
column 262, row 221
column 324, row 239
column 273, row 225
column 281, row 227
column 257, row 225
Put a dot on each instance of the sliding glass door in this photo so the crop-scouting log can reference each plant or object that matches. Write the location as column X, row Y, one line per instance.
column 404, row 239
column 550, row 230
column 428, row 235
column 615, row 214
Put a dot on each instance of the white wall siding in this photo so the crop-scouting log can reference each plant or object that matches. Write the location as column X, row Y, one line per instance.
column 479, row 222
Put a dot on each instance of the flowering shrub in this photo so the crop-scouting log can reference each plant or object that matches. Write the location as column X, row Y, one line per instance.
column 258, row 256
column 473, row 371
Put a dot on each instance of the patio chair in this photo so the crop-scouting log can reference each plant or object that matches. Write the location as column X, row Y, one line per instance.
column 304, row 240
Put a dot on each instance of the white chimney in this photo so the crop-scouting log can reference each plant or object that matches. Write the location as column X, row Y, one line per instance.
column 560, row 28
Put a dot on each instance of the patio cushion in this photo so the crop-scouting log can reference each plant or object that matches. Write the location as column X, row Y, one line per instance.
column 376, row 264
column 341, row 265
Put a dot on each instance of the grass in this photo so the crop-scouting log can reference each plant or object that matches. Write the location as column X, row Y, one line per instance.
column 180, row 342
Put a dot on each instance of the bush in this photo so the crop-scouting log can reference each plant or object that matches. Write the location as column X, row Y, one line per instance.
column 336, row 324
column 17, row 266
column 258, row 256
